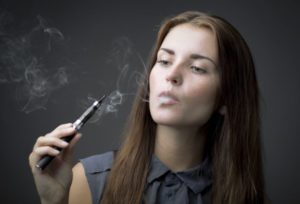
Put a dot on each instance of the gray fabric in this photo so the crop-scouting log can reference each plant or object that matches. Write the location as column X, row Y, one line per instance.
column 163, row 186
column 96, row 170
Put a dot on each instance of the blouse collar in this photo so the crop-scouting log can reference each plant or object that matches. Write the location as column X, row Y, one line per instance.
column 197, row 178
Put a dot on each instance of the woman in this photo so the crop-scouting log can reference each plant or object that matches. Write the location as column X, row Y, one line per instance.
column 196, row 141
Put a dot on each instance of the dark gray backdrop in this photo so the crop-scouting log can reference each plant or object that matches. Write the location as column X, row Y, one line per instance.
column 56, row 54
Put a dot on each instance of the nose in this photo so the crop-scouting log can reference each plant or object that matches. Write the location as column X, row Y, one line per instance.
column 174, row 76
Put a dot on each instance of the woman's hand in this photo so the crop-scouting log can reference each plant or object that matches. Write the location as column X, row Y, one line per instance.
column 53, row 183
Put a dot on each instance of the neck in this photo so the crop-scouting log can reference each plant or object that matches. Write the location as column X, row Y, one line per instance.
column 179, row 148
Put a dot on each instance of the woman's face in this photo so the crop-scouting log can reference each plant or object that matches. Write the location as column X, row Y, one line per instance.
column 184, row 80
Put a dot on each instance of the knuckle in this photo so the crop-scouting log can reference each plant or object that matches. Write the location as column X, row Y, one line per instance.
column 35, row 151
column 55, row 132
column 30, row 157
column 48, row 149
column 48, row 134
column 40, row 139
column 64, row 125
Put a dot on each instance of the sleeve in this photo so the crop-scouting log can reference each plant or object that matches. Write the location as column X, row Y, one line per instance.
column 97, row 168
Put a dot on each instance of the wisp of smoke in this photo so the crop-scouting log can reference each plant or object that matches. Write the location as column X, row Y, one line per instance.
column 24, row 61
column 131, row 68
column 25, row 57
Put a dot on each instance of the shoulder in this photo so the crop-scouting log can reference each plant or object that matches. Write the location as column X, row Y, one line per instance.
column 89, row 177
column 79, row 190
column 98, row 163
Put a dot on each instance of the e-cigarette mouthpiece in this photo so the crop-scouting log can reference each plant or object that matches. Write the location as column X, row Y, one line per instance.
column 88, row 114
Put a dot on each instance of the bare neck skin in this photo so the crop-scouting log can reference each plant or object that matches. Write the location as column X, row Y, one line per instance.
column 179, row 148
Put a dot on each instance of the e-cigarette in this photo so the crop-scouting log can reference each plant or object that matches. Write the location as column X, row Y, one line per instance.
column 42, row 164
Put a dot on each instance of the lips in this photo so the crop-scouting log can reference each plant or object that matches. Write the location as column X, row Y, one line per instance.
column 167, row 98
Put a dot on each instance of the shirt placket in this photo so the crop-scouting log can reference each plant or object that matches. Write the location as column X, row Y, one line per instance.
column 171, row 185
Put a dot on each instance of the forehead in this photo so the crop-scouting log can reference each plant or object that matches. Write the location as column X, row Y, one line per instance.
column 186, row 39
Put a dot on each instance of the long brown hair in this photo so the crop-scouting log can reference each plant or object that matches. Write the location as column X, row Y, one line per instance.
column 234, row 139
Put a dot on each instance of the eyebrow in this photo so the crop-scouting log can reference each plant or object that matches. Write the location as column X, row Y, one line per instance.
column 193, row 56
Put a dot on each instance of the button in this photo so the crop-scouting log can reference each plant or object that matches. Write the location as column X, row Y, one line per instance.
column 169, row 195
column 171, row 179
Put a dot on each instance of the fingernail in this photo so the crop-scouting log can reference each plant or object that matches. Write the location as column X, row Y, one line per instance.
column 63, row 143
column 56, row 151
column 73, row 127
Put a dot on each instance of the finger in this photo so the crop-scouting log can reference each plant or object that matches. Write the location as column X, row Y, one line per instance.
column 63, row 126
column 46, row 150
column 47, row 144
column 50, row 141
column 59, row 133
column 40, row 152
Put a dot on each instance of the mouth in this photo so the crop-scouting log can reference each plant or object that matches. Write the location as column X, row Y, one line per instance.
column 167, row 98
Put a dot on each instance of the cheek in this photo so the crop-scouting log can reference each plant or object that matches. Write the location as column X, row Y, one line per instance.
column 202, row 96
column 205, row 92
column 152, row 89
column 153, row 80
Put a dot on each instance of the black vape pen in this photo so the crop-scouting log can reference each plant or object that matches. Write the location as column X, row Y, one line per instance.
column 41, row 164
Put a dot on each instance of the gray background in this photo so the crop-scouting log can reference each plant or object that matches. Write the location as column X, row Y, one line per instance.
column 100, row 38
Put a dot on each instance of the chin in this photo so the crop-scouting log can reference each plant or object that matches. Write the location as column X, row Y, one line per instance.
column 168, row 121
column 176, row 120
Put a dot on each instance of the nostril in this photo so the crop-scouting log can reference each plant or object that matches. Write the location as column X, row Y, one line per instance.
column 174, row 81
column 174, row 77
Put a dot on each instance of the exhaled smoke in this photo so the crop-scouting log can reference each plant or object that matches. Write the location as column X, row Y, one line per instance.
column 30, row 60
column 113, row 101
column 110, row 104
column 51, row 33
column 130, row 65
column 131, row 69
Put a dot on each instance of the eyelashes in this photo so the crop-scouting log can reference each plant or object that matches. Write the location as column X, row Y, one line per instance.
column 194, row 68
column 163, row 62
column 198, row 70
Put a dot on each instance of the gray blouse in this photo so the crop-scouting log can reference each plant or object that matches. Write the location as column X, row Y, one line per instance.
column 163, row 186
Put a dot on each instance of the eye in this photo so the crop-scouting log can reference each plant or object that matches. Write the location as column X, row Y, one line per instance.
column 198, row 70
column 163, row 62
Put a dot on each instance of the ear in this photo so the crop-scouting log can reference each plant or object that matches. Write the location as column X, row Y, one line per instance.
column 223, row 110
